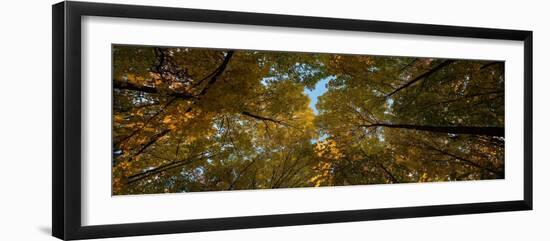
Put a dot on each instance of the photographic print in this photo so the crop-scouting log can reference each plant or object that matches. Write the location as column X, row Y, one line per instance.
column 189, row 119
column 286, row 119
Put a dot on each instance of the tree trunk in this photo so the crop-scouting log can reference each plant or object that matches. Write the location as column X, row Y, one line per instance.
column 469, row 130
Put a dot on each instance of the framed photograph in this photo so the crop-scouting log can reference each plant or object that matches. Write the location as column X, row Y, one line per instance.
column 169, row 120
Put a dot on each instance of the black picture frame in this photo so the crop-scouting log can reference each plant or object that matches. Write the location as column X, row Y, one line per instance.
column 66, row 198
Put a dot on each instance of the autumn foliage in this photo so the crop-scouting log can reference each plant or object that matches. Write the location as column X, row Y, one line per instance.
column 192, row 119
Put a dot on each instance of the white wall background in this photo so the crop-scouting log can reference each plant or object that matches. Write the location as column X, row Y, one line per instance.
column 25, row 120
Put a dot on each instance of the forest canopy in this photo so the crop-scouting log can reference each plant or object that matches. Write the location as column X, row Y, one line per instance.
column 195, row 119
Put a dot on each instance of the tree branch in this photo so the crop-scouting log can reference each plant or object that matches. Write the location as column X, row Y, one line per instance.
column 392, row 177
column 422, row 76
column 408, row 65
column 258, row 117
column 470, row 130
column 154, row 139
column 218, row 73
column 491, row 64
column 162, row 109
column 153, row 90
column 165, row 167
column 148, row 89
column 471, row 163
column 234, row 182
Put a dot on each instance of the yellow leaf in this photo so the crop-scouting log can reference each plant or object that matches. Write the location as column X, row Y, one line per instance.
column 167, row 119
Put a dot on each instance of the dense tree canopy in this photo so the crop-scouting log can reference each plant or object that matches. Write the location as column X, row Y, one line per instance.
column 191, row 119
